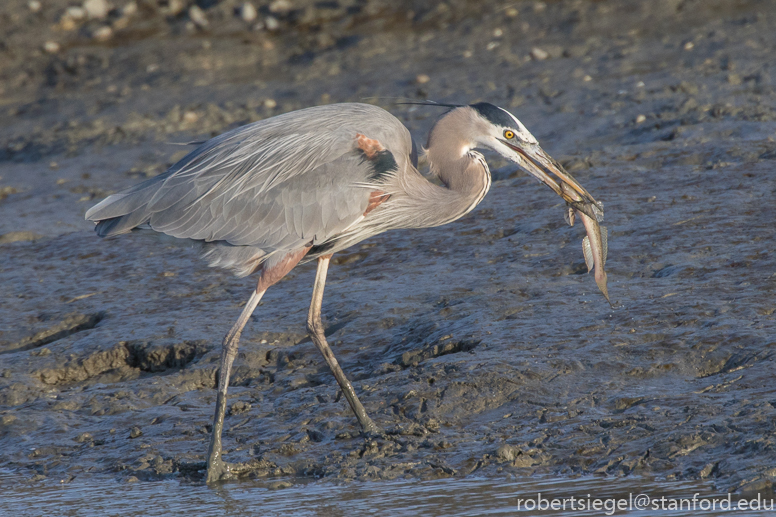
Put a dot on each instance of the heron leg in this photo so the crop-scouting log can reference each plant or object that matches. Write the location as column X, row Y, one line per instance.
column 315, row 328
column 217, row 468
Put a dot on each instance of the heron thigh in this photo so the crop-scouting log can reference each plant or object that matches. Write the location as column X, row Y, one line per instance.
column 273, row 270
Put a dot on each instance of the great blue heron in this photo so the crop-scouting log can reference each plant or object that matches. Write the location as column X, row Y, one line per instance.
column 304, row 185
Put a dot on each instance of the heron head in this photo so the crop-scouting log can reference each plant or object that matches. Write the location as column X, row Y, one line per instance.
column 499, row 130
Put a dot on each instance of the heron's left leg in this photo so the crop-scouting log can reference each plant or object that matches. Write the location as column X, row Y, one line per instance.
column 315, row 328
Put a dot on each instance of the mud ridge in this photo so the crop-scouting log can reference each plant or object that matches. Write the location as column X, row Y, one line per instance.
column 144, row 356
column 70, row 325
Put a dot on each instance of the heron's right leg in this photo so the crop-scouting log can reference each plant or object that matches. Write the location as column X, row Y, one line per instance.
column 217, row 468
column 315, row 328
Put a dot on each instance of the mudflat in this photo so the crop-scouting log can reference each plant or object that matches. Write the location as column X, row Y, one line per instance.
column 479, row 347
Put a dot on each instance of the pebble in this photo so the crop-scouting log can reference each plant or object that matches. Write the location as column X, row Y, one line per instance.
column 197, row 16
column 83, row 437
column 175, row 7
column 539, row 54
column 511, row 12
column 689, row 45
column 96, row 8
column 587, row 78
column 270, row 103
column 640, row 119
column 129, row 9
column 248, row 12
column 104, row 33
column 75, row 13
column 34, row 5
column 52, row 47
column 135, row 432
column 67, row 24
column 280, row 6
column 422, row 79
column 271, row 23
column 506, row 452
column 190, row 117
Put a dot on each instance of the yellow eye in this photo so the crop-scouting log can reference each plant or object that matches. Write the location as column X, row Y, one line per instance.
column 509, row 135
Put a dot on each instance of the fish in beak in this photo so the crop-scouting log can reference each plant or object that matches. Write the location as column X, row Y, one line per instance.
column 539, row 164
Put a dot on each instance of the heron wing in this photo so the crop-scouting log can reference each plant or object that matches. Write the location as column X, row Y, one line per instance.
column 275, row 184
column 303, row 210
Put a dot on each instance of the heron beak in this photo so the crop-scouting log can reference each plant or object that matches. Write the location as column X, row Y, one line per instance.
column 542, row 166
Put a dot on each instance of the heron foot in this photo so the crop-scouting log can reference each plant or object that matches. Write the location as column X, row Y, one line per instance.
column 217, row 470
column 370, row 430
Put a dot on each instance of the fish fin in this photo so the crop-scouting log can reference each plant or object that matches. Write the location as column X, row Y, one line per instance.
column 604, row 243
column 588, row 254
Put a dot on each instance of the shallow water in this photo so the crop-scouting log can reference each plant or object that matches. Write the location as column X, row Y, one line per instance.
column 461, row 497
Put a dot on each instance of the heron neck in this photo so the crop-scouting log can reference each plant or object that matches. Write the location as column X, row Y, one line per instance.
column 451, row 158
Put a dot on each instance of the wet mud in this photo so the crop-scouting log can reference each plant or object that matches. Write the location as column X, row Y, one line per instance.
column 481, row 347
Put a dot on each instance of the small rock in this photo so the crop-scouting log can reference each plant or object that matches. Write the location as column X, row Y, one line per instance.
column 129, row 9
column 539, row 54
column 239, row 407
column 197, row 16
column 135, row 432
column 190, row 117
column 270, row 103
column 248, row 12
column 96, row 8
column 83, row 437
column 280, row 6
column 511, row 12
column 640, row 119
column 34, row 6
column 67, row 24
column 271, row 23
column 497, row 33
column 689, row 45
column 175, row 7
column 422, row 79
column 132, row 479
column 52, row 47
column 104, row 33
column 587, row 78
column 506, row 453
column 75, row 13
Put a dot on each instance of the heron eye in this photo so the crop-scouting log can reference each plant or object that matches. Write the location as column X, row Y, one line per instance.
column 509, row 135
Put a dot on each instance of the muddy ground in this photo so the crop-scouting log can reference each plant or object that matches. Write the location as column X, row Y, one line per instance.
column 480, row 347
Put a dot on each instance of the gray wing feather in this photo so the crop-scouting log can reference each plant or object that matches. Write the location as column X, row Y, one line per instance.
column 277, row 184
